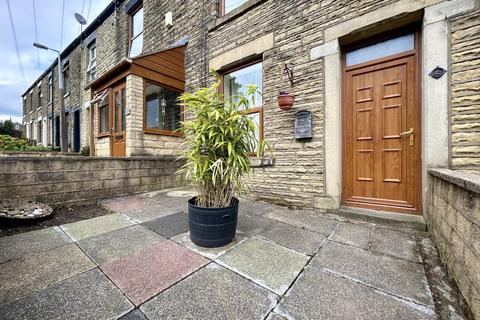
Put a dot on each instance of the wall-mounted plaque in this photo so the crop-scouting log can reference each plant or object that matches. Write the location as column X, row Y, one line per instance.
column 303, row 124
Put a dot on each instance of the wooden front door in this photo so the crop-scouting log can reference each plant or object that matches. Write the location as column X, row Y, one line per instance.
column 118, row 127
column 381, row 130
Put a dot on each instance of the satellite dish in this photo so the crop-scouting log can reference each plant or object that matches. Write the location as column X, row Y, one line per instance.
column 80, row 19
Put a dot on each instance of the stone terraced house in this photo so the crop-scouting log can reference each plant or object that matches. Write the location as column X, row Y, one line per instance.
column 390, row 88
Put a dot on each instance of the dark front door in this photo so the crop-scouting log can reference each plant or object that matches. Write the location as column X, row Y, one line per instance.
column 57, row 131
column 76, row 131
column 381, row 134
column 118, row 130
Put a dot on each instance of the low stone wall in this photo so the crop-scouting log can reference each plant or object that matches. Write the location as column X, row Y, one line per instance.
column 58, row 180
column 453, row 218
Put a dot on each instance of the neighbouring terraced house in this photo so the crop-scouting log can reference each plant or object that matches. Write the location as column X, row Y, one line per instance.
column 390, row 88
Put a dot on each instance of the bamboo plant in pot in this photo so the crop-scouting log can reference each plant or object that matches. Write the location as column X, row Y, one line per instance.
column 218, row 144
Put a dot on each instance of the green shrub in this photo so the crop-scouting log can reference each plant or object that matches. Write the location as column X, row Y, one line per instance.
column 13, row 144
column 218, row 144
column 85, row 151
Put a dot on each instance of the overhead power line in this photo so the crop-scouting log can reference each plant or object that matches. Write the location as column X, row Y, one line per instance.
column 20, row 65
column 88, row 11
column 83, row 8
column 36, row 33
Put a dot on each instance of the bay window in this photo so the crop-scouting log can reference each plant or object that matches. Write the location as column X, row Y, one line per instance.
column 103, row 115
column 162, row 110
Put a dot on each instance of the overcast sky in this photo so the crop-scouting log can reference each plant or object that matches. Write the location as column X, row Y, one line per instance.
column 35, row 61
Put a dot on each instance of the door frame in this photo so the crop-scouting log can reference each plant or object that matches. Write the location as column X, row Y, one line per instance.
column 416, row 53
column 111, row 109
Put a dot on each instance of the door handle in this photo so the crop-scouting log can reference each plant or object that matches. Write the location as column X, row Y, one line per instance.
column 408, row 133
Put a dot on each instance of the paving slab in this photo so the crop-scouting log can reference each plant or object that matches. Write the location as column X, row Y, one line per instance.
column 144, row 274
column 119, row 243
column 321, row 295
column 300, row 240
column 182, row 194
column 128, row 203
column 210, row 253
column 253, row 224
column 394, row 243
column 38, row 270
column 89, row 295
column 211, row 293
column 256, row 207
column 24, row 243
column 404, row 278
column 169, row 226
column 134, row 315
column 353, row 234
column 265, row 263
column 152, row 212
column 305, row 219
column 93, row 227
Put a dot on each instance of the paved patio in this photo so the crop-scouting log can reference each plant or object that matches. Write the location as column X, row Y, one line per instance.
column 139, row 263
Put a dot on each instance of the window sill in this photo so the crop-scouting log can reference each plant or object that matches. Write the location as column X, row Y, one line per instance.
column 261, row 162
column 215, row 23
column 163, row 132
column 102, row 135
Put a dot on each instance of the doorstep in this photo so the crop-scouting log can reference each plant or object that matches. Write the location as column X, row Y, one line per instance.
column 390, row 218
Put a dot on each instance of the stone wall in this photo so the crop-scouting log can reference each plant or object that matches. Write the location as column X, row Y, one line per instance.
column 465, row 79
column 60, row 179
column 453, row 218
column 297, row 176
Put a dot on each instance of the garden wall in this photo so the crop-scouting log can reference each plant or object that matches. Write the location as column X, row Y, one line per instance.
column 68, row 179
column 453, row 218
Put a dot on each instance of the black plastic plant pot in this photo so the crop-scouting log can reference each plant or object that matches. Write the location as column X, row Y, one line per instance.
column 212, row 227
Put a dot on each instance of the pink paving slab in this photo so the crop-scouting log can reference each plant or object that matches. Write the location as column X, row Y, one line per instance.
column 145, row 274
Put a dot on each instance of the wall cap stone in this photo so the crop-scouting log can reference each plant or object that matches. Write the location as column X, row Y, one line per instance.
column 464, row 179
column 86, row 158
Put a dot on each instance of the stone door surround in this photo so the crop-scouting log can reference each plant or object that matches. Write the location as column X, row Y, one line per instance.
column 435, row 93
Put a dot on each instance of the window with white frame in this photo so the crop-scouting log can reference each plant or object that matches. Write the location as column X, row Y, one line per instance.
column 136, row 33
column 92, row 62
column 66, row 78
column 50, row 88
column 39, row 95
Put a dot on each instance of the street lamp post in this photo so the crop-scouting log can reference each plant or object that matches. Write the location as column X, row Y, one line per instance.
column 63, row 127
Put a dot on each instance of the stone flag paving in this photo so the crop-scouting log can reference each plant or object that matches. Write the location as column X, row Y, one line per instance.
column 139, row 263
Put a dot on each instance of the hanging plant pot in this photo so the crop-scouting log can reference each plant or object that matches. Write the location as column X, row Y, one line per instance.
column 285, row 100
